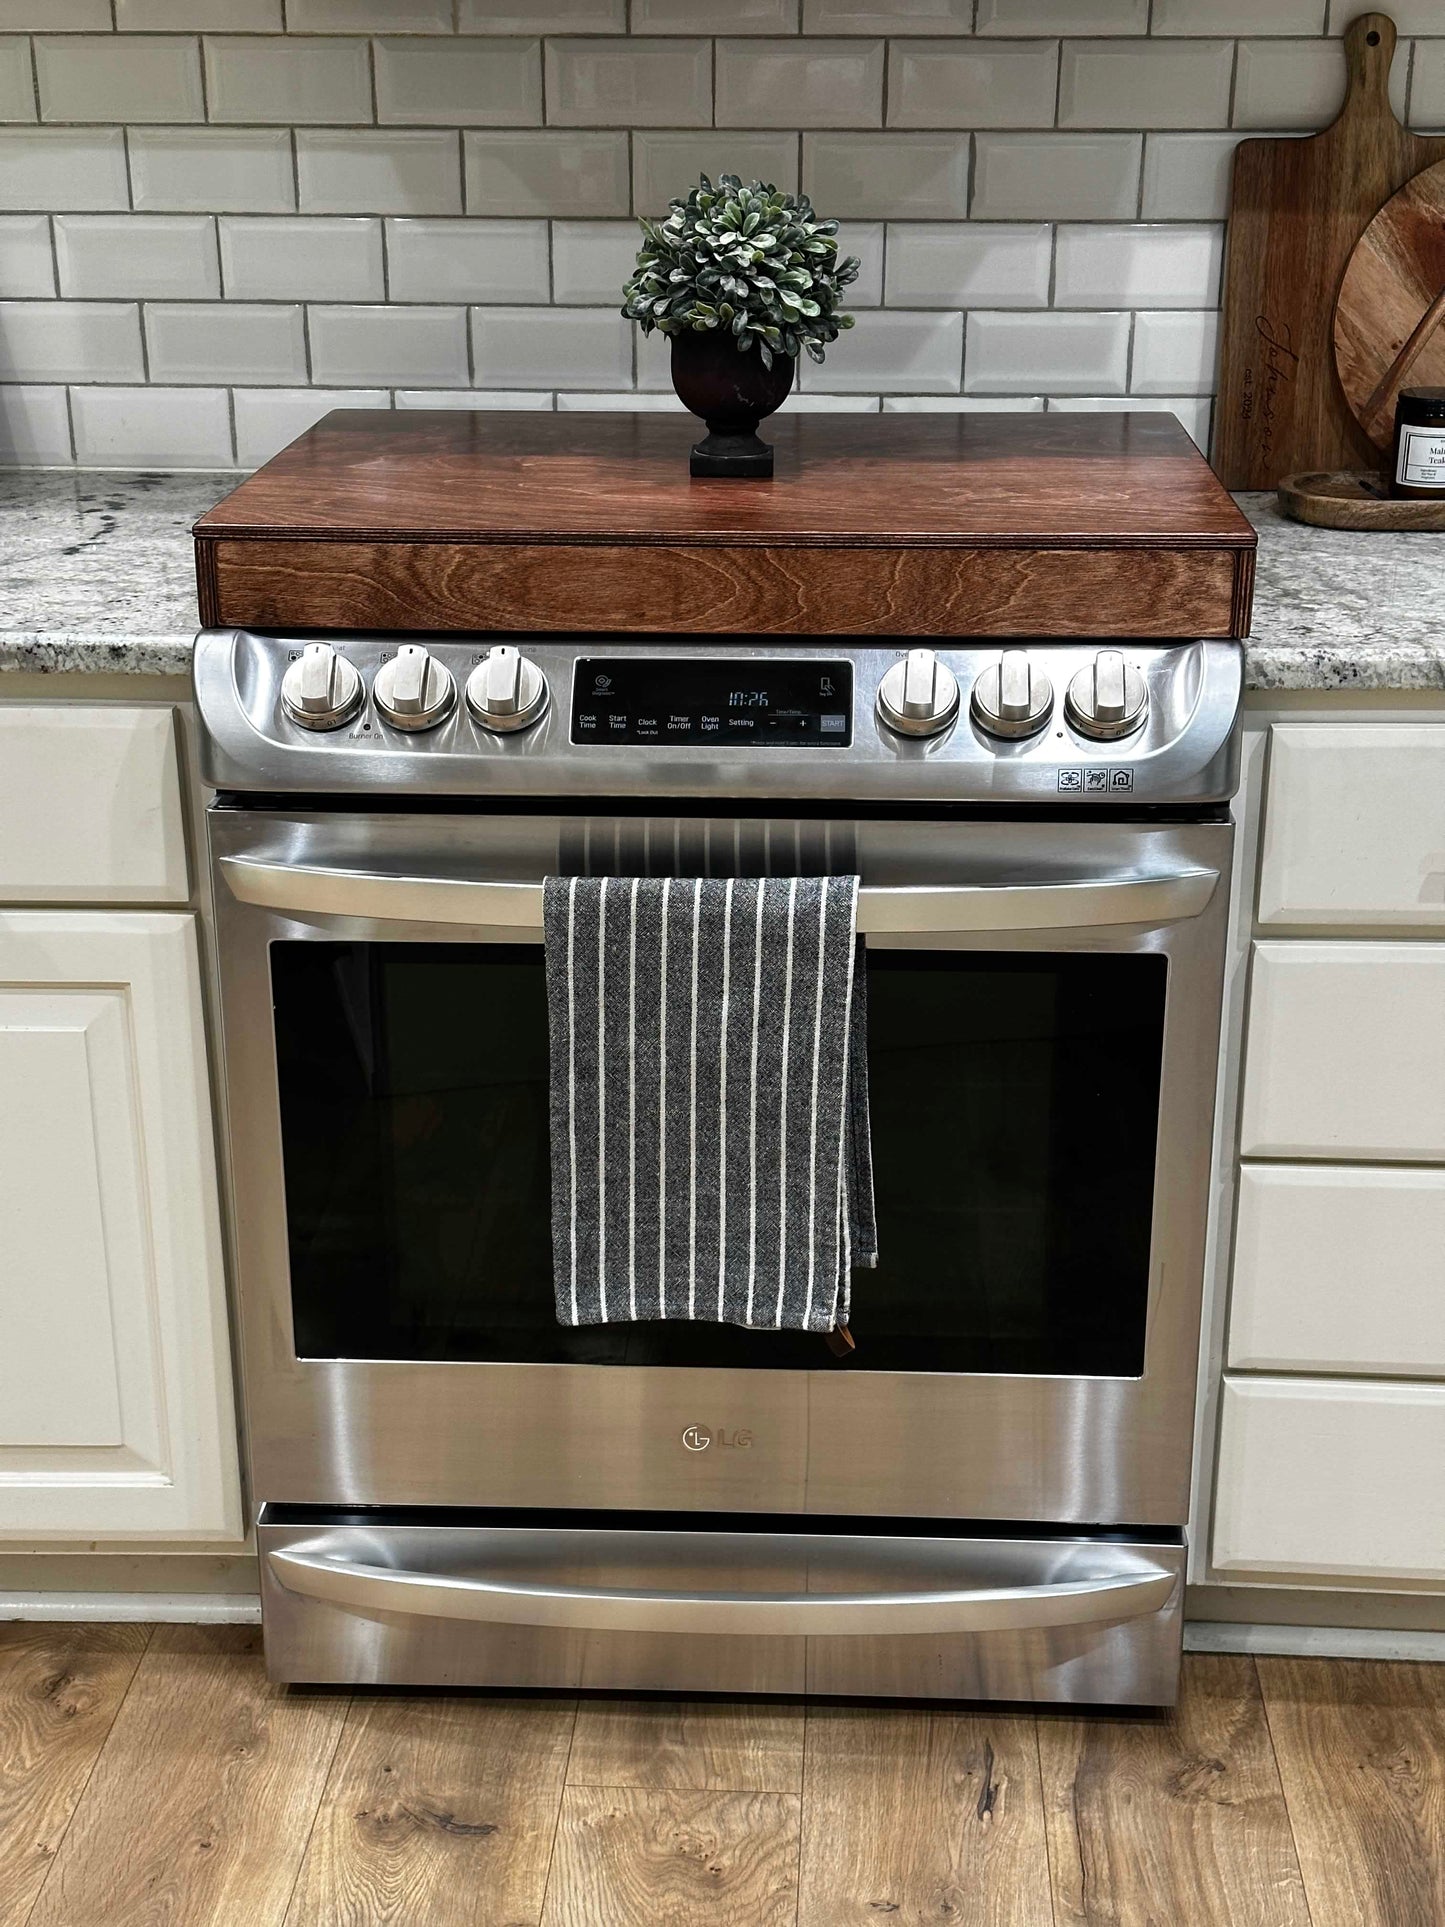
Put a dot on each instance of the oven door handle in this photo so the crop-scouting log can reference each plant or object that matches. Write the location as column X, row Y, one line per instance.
column 1150, row 897
column 1130, row 1594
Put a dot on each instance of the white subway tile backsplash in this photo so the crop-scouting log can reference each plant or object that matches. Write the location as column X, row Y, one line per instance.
column 1427, row 86
column 590, row 260
column 921, row 177
column 1191, row 411
column 34, row 427
column 70, row 341
column 1290, row 85
column 26, row 264
column 56, row 16
column 1062, row 16
column 714, row 16
column 894, row 348
column 865, row 240
column 198, row 16
column 417, row 346
column 546, row 173
column 802, row 403
column 519, row 400
column 963, row 264
column 134, row 255
column 667, row 164
column 291, row 258
column 551, row 348
column 484, row 82
column 1139, row 266
column 878, row 16
column 50, row 168
column 555, row 16
column 1238, row 16
column 963, row 404
column 396, row 172
column 1175, row 354
column 103, row 77
column 1409, row 16
column 1186, row 176
column 17, row 87
column 1063, row 353
column 1056, row 177
column 152, row 427
column 630, row 403
column 804, row 83
column 268, row 418
column 629, row 83
column 1145, row 83
column 369, row 16
column 218, row 169
column 255, row 78
column 468, row 260
column 973, row 83
column 225, row 341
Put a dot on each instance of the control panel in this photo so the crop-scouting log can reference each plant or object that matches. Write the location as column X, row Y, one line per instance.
column 760, row 704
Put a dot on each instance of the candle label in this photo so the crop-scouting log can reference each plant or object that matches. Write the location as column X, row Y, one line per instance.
column 1421, row 462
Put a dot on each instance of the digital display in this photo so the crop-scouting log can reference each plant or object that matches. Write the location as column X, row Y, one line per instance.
column 645, row 699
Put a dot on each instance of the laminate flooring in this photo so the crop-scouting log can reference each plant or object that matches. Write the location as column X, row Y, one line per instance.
column 152, row 1777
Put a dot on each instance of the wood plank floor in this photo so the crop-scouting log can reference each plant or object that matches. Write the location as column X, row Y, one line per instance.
column 154, row 1778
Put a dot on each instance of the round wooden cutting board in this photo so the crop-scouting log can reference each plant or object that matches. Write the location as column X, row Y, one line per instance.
column 1395, row 274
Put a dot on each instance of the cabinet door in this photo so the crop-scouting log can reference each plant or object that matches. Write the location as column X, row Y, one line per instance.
column 116, row 1415
column 1331, row 1477
column 1345, row 1052
column 1354, row 828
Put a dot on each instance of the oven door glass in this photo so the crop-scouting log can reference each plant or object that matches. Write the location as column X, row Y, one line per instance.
column 1015, row 1103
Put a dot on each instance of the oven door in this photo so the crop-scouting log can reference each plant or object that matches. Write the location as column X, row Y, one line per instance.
column 1043, row 1030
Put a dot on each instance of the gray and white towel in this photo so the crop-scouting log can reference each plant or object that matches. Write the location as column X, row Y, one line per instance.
column 709, row 1099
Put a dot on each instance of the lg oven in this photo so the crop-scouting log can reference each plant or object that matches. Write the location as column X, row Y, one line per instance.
column 988, row 1494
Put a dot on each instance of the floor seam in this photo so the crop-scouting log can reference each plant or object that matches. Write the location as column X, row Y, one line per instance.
column 557, row 1816
column 345, row 1721
column 1304, row 1885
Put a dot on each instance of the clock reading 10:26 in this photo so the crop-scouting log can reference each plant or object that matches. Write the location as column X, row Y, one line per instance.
column 747, row 699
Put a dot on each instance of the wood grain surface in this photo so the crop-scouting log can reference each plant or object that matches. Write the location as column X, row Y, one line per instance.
column 1394, row 279
column 439, row 1810
column 648, row 1857
column 1354, row 499
column 1361, row 1753
column 202, row 1799
column 922, row 1816
column 1298, row 207
column 741, row 1746
column 60, row 1690
column 1143, row 1811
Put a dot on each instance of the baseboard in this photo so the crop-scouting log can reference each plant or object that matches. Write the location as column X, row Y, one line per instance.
column 172, row 1608
column 1313, row 1642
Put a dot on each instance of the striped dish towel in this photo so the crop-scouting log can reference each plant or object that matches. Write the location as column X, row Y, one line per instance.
column 709, row 1097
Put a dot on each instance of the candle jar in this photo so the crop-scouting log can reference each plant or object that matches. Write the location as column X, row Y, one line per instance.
column 1418, row 468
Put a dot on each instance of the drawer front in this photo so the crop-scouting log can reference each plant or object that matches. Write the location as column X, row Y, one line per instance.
column 90, row 805
column 1345, row 1052
column 1354, row 827
column 1339, row 1269
column 1330, row 1477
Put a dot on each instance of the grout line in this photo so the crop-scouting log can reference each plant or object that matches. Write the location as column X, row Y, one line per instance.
column 235, row 432
column 1233, row 85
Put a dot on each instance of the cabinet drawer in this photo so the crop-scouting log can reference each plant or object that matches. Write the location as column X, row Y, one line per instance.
column 1339, row 1269
column 1330, row 1477
column 1354, row 827
column 90, row 805
column 1345, row 1052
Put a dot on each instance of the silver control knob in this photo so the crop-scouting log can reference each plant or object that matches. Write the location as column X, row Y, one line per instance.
column 1108, row 698
column 505, row 691
column 413, row 690
column 918, row 696
column 321, row 690
column 1013, row 698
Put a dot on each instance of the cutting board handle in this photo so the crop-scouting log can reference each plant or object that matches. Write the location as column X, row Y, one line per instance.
column 1369, row 53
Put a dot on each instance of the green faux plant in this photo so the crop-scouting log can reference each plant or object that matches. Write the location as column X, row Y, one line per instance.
column 746, row 258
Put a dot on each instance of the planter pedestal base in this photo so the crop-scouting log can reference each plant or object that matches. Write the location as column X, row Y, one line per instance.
column 721, row 453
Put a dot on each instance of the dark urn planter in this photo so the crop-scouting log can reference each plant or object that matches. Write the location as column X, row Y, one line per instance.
column 732, row 391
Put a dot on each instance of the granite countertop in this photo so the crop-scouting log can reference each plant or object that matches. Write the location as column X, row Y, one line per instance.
column 98, row 575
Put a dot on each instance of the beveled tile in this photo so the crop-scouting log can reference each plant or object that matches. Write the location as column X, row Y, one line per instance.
column 714, row 16
column 1137, row 266
column 888, row 176
column 62, row 168
column 551, row 348
column 27, row 265
column 135, row 255
column 629, row 83
column 897, row 349
column 969, row 264
column 215, row 169
column 17, row 88
column 34, row 426
column 806, row 83
column 268, row 418
column 591, row 260
column 1145, row 83
column 963, row 404
column 55, row 16
column 364, row 346
column 549, row 16
column 103, row 78
column 491, row 82
column 519, row 401
column 395, row 172
column 1186, row 176
column 1297, row 84
column 664, row 165
column 1175, row 354
column 877, row 16
column 972, row 83
column 1239, row 16
column 254, row 78
column 198, row 16
column 1192, row 412
column 1058, row 353
column 70, row 341
column 467, row 260
column 1052, row 177
column 865, row 240
column 1427, row 85
column 225, row 341
column 152, row 427
column 546, row 173
column 369, row 16
column 1063, row 16
column 293, row 258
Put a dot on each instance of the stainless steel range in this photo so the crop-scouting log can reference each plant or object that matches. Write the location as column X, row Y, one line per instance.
column 987, row 1495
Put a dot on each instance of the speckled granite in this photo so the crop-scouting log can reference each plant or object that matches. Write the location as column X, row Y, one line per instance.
column 96, row 574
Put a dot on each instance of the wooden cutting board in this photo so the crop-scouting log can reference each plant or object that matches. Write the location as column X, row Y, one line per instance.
column 1298, row 209
column 1393, row 296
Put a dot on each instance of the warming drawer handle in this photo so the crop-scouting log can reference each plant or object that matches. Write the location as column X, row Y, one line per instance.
column 313, row 890
column 371, row 1588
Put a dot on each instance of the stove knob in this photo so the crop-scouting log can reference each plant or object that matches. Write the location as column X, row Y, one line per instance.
column 321, row 690
column 505, row 691
column 918, row 696
column 413, row 690
column 1107, row 699
column 1013, row 698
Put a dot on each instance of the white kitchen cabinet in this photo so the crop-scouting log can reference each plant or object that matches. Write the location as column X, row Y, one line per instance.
column 1354, row 827
column 116, row 1417
column 1339, row 1268
column 1345, row 1052
column 1333, row 1478
column 90, row 805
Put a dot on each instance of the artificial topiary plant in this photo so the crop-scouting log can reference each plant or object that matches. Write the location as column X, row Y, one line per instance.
column 748, row 259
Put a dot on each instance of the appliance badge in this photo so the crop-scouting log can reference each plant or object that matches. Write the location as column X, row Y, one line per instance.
column 697, row 1438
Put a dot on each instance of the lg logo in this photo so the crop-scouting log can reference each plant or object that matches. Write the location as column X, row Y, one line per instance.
column 697, row 1438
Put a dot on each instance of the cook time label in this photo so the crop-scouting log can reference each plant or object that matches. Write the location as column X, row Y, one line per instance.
column 1422, row 457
